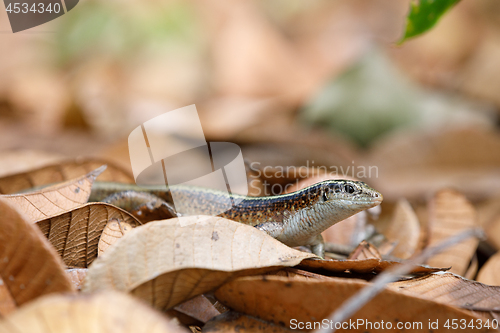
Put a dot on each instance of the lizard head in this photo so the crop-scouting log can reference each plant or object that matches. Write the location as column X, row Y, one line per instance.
column 325, row 204
column 356, row 194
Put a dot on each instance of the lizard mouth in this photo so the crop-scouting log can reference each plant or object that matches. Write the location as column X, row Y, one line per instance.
column 367, row 200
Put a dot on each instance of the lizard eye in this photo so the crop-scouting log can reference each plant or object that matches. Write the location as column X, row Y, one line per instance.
column 349, row 189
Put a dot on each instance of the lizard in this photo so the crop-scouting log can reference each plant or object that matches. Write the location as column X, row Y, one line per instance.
column 295, row 219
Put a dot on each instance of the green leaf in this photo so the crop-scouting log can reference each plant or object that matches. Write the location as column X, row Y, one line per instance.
column 424, row 14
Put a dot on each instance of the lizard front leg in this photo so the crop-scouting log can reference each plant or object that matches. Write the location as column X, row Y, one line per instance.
column 318, row 246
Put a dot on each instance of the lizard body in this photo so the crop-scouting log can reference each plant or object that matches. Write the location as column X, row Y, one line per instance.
column 295, row 219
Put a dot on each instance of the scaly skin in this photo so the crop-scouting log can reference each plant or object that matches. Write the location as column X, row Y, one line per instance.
column 295, row 219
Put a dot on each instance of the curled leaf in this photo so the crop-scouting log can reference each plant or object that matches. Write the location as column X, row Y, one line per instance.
column 170, row 261
column 55, row 199
column 29, row 265
column 7, row 303
column 454, row 290
column 199, row 308
column 404, row 229
column 60, row 172
column 112, row 232
column 288, row 302
column 490, row 272
column 76, row 234
column 449, row 214
column 362, row 266
column 105, row 312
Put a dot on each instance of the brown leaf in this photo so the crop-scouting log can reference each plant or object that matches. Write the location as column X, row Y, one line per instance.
column 234, row 322
column 104, row 312
column 112, row 232
column 295, row 273
column 489, row 219
column 76, row 234
column 77, row 276
column 493, row 231
column 449, row 214
column 60, row 172
column 7, row 303
column 404, row 229
column 29, row 266
column 473, row 268
column 362, row 266
column 55, row 199
column 199, row 308
column 170, row 261
column 288, row 302
column 364, row 250
column 454, row 290
column 488, row 210
column 490, row 272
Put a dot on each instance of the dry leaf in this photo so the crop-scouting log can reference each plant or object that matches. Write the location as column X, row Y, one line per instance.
column 199, row 308
column 488, row 210
column 404, row 229
column 29, row 266
column 365, row 250
column 105, row 312
column 170, row 261
column 234, row 322
column 490, row 272
column 60, row 172
column 295, row 273
column 449, row 214
column 473, row 268
column 363, row 266
column 288, row 302
column 7, row 303
column 454, row 290
column 76, row 234
column 77, row 276
column 493, row 231
column 489, row 219
column 112, row 232
column 55, row 199
column 422, row 213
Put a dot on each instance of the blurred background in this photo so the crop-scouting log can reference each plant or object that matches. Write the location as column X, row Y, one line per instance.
column 293, row 82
